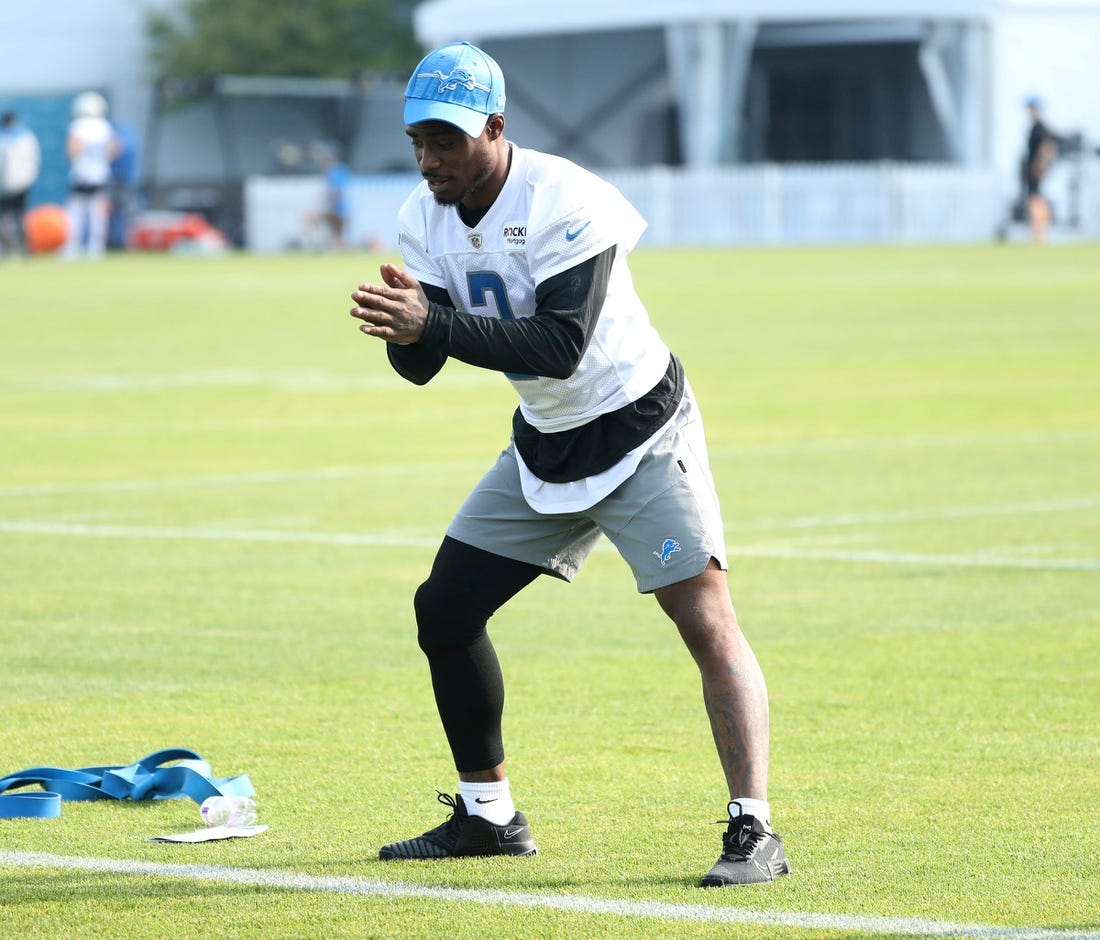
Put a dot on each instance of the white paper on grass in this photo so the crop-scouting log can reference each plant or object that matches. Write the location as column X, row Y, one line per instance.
column 208, row 834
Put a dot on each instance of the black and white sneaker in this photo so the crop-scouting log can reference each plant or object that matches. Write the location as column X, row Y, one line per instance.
column 464, row 835
column 751, row 855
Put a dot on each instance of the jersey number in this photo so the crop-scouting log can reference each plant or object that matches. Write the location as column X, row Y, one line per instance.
column 482, row 283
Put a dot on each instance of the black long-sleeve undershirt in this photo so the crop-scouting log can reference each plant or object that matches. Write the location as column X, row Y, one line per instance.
column 550, row 343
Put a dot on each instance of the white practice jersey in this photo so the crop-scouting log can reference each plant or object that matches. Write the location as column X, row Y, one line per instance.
column 550, row 216
column 20, row 160
column 91, row 164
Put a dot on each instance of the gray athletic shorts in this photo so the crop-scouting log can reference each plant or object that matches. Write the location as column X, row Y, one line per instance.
column 665, row 520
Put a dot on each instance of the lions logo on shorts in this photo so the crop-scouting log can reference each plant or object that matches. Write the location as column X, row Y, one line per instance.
column 670, row 546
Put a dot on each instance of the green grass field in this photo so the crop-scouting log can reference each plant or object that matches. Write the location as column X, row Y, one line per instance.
column 216, row 501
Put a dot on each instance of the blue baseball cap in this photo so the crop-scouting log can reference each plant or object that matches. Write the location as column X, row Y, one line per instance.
column 458, row 84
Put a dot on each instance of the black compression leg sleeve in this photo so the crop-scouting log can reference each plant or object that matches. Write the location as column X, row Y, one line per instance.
column 464, row 589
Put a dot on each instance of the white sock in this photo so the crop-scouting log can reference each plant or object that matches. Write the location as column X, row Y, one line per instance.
column 745, row 806
column 491, row 801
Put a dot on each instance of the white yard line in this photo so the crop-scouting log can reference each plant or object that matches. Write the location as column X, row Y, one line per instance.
column 1068, row 504
column 32, row 527
column 246, row 479
column 217, row 534
column 570, row 903
column 184, row 483
column 1072, row 504
column 1017, row 556
column 919, row 558
column 298, row 380
column 859, row 445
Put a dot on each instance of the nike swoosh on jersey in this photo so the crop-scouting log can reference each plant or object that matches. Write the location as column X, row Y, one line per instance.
column 572, row 233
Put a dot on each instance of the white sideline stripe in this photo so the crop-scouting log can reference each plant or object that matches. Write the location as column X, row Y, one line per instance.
column 232, row 479
column 923, row 515
column 1069, row 504
column 134, row 486
column 318, row 380
column 31, row 527
column 918, row 558
column 244, row 479
column 865, row 445
column 698, row 913
column 216, row 535
column 436, row 466
column 351, row 473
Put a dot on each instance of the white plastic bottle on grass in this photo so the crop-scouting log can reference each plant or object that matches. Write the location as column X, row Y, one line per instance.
column 235, row 811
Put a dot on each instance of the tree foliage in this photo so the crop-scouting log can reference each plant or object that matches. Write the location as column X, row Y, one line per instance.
column 305, row 38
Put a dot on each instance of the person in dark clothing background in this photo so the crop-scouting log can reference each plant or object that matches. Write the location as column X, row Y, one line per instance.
column 1042, row 148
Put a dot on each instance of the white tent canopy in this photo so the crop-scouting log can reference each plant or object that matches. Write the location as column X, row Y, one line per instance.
column 976, row 58
column 439, row 21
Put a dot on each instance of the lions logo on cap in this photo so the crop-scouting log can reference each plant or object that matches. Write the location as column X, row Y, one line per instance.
column 458, row 77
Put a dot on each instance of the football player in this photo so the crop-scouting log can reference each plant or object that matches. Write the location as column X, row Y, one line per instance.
column 517, row 261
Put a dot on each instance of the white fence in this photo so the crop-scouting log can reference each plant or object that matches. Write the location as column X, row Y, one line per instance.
column 767, row 204
column 770, row 204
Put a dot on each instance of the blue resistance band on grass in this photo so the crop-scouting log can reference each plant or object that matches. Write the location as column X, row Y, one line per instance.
column 144, row 780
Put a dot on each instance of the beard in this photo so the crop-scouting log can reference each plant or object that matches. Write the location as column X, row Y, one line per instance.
column 484, row 170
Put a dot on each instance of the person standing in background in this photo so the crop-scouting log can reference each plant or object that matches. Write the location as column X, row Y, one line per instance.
column 90, row 147
column 332, row 218
column 20, row 161
column 124, row 185
column 1042, row 148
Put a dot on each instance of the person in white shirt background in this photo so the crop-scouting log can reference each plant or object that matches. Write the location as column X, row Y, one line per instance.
column 20, row 161
column 91, row 146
